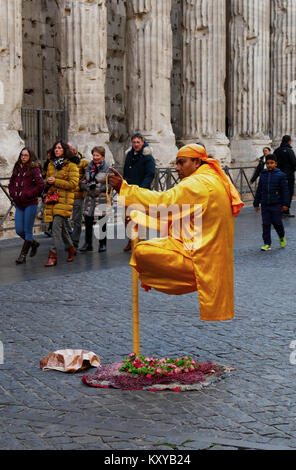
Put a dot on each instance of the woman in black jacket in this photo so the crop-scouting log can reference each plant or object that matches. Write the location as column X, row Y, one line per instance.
column 261, row 165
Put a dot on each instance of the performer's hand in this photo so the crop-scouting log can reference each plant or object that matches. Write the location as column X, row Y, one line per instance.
column 285, row 208
column 115, row 180
column 257, row 209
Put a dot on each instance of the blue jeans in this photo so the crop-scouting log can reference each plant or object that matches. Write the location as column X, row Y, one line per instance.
column 24, row 221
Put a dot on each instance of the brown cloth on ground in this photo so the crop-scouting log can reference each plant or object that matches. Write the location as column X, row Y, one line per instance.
column 70, row 360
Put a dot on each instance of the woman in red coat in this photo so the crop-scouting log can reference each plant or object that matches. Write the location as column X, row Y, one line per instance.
column 25, row 185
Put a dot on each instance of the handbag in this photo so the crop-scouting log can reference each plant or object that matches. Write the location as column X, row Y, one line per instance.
column 51, row 198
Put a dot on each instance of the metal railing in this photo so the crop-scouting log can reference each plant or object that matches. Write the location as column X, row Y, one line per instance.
column 240, row 177
column 166, row 178
column 43, row 127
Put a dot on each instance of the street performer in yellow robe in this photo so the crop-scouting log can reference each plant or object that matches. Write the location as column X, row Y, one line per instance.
column 172, row 265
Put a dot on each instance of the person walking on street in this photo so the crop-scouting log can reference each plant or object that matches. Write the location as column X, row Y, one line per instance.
column 139, row 167
column 25, row 186
column 286, row 161
column 62, row 180
column 95, row 185
column 261, row 165
column 273, row 195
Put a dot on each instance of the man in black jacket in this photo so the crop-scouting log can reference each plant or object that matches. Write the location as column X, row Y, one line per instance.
column 287, row 163
column 139, row 167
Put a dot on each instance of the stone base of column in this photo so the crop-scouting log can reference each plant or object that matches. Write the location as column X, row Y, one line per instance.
column 217, row 147
column 164, row 148
column 245, row 151
column 277, row 142
column 85, row 142
column 10, row 146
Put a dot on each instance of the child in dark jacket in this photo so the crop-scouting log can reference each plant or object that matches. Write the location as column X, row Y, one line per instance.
column 273, row 195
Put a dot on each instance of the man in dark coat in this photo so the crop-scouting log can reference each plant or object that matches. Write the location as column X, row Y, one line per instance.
column 287, row 163
column 139, row 167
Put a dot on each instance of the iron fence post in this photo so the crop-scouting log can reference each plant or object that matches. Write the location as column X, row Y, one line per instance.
column 156, row 180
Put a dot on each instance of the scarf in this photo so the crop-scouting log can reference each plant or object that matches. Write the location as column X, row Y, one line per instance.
column 58, row 163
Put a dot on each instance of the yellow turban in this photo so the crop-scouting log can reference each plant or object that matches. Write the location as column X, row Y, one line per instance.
column 198, row 151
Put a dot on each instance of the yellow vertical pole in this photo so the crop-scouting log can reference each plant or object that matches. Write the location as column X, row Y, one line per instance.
column 135, row 303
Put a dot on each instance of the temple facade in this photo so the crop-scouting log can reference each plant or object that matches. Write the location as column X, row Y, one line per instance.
column 222, row 72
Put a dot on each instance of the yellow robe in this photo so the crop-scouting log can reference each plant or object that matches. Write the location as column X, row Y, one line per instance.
column 165, row 265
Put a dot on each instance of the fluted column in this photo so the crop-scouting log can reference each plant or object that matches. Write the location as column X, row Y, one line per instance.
column 204, row 73
column 83, row 43
column 249, row 78
column 11, row 83
column 283, row 69
column 148, row 73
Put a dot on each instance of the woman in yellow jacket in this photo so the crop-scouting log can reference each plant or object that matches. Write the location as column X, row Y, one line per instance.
column 62, row 176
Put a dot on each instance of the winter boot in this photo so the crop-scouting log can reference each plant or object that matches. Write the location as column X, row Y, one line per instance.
column 24, row 251
column 88, row 235
column 128, row 247
column 52, row 259
column 34, row 248
column 102, row 245
column 72, row 252
column 103, row 241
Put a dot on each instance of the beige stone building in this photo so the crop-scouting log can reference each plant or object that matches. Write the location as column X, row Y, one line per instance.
column 218, row 71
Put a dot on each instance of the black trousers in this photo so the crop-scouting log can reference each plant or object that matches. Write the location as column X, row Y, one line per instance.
column 272, row 215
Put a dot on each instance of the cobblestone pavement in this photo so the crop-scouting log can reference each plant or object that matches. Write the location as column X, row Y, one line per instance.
column 87, row 304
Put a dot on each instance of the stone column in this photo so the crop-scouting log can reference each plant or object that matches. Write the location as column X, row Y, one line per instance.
column 204, row 74
column 249, row 78
column 148, row 74
column 11, row 83
column 83, row 46
column 283, row 70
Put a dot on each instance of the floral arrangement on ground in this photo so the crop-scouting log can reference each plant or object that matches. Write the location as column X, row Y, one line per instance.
column 153, row 374
column 151, row 366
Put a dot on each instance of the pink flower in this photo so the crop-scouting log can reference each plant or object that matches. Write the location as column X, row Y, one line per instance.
column 191, row 367
column 186, row 369
column 132, row 354
column 148, row 376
